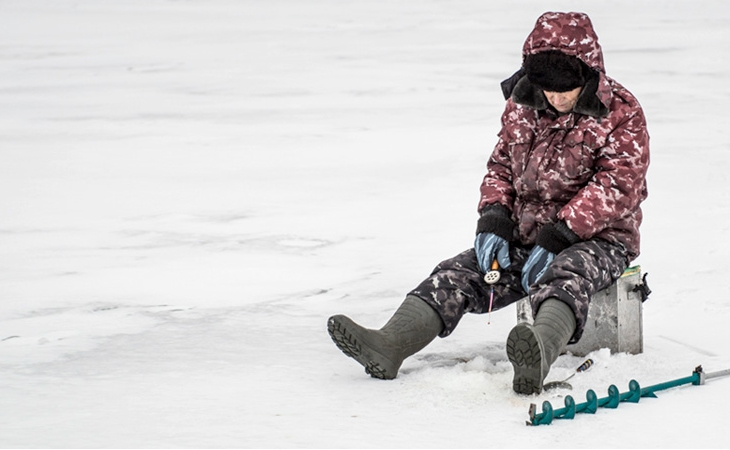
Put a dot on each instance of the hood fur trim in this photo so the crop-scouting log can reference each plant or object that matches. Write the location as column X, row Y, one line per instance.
column 526, row 94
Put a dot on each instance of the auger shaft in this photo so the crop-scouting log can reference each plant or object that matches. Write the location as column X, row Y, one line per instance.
column 614, row 398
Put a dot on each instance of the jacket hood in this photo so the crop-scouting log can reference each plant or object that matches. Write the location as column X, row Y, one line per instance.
column 571, row 33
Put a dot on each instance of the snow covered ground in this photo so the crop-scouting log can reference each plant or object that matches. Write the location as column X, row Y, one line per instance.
column 190, row 188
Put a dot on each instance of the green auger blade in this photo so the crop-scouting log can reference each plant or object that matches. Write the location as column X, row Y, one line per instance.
column 614, row 398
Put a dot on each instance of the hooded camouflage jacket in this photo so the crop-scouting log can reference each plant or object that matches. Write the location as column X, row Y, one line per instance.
column 586, row 167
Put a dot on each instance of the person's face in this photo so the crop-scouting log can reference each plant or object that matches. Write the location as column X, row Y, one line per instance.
column 563, row 101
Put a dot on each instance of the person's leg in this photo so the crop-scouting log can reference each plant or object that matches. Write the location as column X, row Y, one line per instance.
column 413, row 326
column 456, row 287
column 433, row 309
column 577, row 274
column 560, row 299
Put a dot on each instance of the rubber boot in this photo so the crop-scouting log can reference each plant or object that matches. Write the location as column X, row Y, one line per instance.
column 532, row 349
column 413, row 326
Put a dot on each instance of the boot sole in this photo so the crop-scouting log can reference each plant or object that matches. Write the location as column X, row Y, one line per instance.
column 347, row 342
column 523, row 351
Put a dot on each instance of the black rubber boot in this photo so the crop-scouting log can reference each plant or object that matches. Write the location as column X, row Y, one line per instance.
column 532, row 349
column 413, row 326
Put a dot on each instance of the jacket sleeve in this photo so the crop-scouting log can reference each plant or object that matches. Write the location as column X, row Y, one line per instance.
column 497, row 186
column 619, row 185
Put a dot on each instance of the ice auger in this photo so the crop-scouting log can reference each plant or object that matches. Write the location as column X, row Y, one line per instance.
column 634, row 394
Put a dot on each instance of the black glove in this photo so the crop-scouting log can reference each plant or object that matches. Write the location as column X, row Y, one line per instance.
column 556, row 237
column 494, row 232
column 495, row 219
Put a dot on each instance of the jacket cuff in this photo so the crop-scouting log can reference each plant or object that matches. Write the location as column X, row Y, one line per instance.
column 556, row 237
column 495, row 219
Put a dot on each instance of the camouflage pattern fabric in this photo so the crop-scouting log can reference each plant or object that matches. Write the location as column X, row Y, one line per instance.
column 456, row 286
column 587, row 167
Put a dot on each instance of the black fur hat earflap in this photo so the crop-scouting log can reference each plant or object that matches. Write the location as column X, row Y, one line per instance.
column 555, row 71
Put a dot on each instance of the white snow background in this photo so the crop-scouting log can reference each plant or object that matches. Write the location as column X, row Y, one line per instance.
column 189, row 189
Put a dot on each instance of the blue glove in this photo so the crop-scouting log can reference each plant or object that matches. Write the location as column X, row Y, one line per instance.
column 494, row 231
column 489, row 247
column 536, row 265
column 552, row 239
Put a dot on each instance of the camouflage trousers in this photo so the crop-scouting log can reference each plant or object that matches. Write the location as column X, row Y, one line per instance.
column 456, row 286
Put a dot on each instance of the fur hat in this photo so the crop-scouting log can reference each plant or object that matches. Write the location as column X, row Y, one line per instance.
column 555, row 71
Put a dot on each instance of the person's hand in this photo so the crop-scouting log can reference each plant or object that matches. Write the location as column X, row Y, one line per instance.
column 536, row 265
column 488, row 247
column 552, row 239
column 494, row 232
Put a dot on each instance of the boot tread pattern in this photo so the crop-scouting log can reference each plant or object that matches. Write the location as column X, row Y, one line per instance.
column 523, row 351
column 349, row 345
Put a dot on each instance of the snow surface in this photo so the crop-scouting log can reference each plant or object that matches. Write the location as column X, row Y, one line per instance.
column 190, row 188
